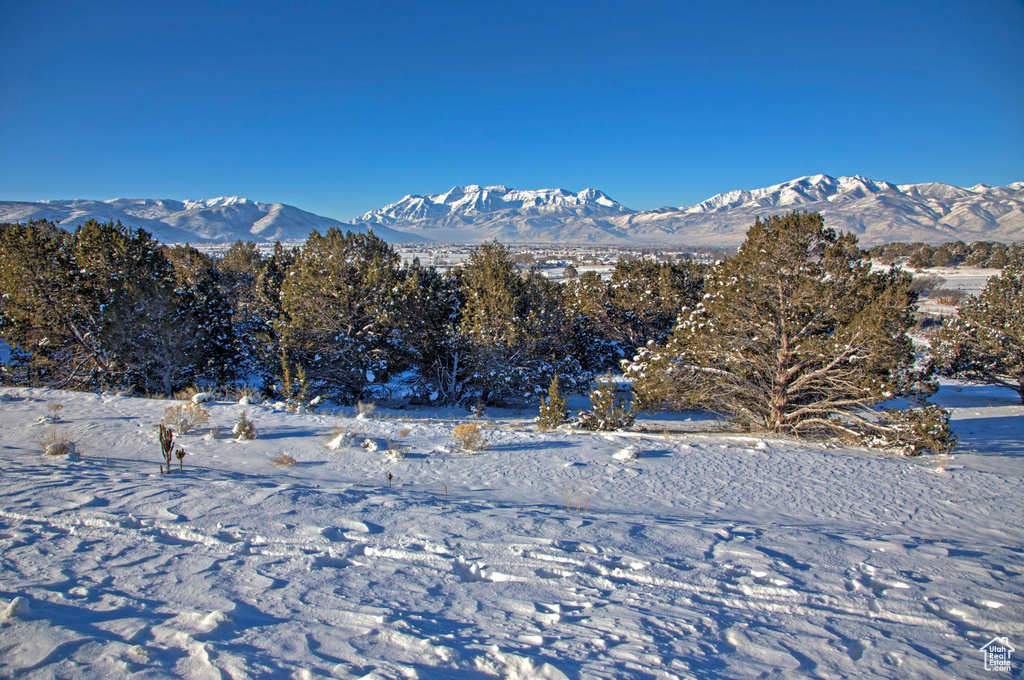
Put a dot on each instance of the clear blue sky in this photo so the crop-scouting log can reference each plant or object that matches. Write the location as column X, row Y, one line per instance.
column 342, row 107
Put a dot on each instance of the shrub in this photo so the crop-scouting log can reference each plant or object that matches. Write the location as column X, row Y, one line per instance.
column 244, row 428
column 58, row 443
column 283, row 460
column 340, row 438
column 469, row 437
column 365, row 410
column 396, row 451
column 554, row 410
column 184, row 417
column 608, row 411
column 53, row 412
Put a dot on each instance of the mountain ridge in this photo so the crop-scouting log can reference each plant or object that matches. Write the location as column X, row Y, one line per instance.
column 222, row 219
column 875, row 211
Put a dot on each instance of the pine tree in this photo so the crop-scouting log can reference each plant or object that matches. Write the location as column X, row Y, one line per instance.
column 984, row 343
column 794, row 335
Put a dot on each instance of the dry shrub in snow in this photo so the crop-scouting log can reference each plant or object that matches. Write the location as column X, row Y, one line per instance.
column 184, row 417
column 58, row 443
column 469, row 437
column 53, row 412
column 283, row 460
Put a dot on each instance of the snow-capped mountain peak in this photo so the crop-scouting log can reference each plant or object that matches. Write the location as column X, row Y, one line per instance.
column 876, row 211
column 225, row 219
column 464, row 202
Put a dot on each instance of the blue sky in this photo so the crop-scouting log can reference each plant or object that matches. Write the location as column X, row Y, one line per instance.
column 342, row 107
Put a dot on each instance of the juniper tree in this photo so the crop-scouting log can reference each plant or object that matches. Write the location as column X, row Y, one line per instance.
column 425, row 308
column 202, row 297
column 92, row 308
column 332, row 303
column 795, row 334
column 640, row 304
column 984, row 343
column 516, row 326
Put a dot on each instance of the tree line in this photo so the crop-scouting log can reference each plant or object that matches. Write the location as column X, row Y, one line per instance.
column 983, row 254
column 795, row 334
column 106, row 307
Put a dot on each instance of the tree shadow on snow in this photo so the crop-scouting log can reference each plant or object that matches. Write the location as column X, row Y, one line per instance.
column 992, row 436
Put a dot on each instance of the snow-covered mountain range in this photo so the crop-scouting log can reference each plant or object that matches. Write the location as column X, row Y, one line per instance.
column 215, row 219
column 876, row 211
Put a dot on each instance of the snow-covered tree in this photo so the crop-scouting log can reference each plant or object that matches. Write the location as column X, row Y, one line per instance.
column 795, row 334
column 251, row 285
column 984, row 343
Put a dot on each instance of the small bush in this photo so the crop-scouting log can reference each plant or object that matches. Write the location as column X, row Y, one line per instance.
column 182, row 418
column 469, row 437
column 554, row 410
column 58, row 443
column 340, row 438
column 53, row 412
column 608, row 411
column 284, row 460
column 365, row 410
column 187, row 393
column 396, row 451
column 244, row 428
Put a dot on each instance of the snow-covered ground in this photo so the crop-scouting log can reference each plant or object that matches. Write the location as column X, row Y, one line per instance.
column 711, row 555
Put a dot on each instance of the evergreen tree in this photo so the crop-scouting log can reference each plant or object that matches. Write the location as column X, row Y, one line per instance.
column 554, row 410
column 102, row 309
column 425, row 309
column 333, row 302
column 35, row 303
column 639, row 305
column 251, row 285
column 794, row 335
column 203, row 298
column 516, row 326
column 984, row 343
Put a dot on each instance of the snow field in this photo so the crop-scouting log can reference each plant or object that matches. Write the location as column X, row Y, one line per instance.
column 708, row 555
